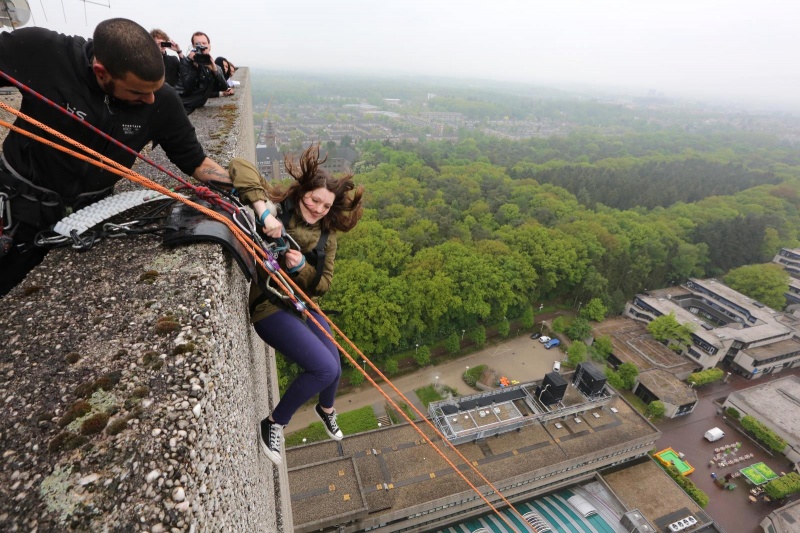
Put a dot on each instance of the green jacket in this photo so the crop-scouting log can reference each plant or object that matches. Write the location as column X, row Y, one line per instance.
column 252, row 187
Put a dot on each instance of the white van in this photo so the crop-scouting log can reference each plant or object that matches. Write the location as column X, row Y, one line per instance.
column 714, row 434
column 556, row 366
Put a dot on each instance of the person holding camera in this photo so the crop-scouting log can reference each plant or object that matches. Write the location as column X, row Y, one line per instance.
column 172, row 64
column 200, row 76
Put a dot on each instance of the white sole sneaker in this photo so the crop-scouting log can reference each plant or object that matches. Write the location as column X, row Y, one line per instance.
column 330, row 433
column 271, row 455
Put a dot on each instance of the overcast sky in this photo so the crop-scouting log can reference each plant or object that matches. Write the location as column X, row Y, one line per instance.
column 729, row 50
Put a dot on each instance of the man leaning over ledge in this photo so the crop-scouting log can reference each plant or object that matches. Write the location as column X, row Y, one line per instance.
column 115, row 82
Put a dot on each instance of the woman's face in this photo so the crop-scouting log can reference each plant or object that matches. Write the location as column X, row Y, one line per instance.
column 316, row 204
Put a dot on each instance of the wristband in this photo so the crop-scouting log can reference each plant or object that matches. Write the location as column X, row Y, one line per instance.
column 264, row 215
column 298, row 267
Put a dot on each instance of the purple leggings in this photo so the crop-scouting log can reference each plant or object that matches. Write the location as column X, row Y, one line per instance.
column 304, row 344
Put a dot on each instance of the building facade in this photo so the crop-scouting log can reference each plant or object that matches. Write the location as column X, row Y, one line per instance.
column 741, row 334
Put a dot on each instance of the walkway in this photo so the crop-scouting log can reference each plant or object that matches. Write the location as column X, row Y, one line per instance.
column 520, row 358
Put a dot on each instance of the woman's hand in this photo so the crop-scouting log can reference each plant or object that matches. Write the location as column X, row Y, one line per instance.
column 272, row 227
column 293, row 258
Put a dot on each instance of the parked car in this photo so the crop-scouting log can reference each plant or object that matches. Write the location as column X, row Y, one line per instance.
column 556, row 366
column 535, row 335
column 551, row 343
column 544, row 338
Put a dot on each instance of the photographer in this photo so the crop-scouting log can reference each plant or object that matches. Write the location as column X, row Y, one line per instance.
column 200, row 76
column 172, row 64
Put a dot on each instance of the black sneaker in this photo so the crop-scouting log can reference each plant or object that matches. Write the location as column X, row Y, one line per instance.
column 329, row 423
column 271, row 438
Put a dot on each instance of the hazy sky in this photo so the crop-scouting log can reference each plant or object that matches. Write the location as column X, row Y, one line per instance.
column 713, row 49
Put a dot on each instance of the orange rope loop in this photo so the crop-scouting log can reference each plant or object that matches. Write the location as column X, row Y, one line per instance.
column 260, row 256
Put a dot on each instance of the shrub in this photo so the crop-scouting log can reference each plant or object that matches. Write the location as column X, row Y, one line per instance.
column 472, row 375
column 478, row 335
column 656, row 409
column 783, row 486
column 526, row 321
column 579, row 329
column 733, row 413
column 356, row 377
column 764, row 434
column 560, row 324
column 391, row 367
column 602, row 346
column 422, row 355
column 700, row 497
column 705, row 377
column 453, row 343
column 504, row 328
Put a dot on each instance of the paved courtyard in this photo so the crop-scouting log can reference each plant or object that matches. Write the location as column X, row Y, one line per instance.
column 733, row 510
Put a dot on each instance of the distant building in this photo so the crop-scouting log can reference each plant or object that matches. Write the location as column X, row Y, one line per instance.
column 742, row 334
column 790, row 260
column 774, row 404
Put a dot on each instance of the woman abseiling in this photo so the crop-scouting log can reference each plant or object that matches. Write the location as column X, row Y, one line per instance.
column 314, row 208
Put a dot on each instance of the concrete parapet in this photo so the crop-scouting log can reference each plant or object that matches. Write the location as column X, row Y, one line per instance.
column 132, row 383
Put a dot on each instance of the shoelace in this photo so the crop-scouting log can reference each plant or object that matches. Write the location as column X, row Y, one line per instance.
column 332, row 421
column 275, row 437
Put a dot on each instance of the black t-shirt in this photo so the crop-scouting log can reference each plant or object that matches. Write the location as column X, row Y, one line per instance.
column 59, row 67
column 172, row 71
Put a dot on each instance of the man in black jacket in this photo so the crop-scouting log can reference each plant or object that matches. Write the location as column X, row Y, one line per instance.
column 114, row 82
column 172, row 64
column 200, row 76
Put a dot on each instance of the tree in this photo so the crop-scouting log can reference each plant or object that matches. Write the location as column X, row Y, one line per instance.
column 504, row 328
column 526, row 320
column 576, row 354
column 478, row 335
column 560, row 324
column 628, row 373
column 422, row 355
column 602, row 346
column 656, row 409
column 594, row 310
column 579, row 329
column 453, row 343
column 766, row 283
column 667, row 328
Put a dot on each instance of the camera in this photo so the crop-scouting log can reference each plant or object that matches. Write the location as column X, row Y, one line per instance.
column 166, row 44
column 200, row 55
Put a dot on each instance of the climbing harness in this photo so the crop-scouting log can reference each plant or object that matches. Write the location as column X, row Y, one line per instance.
column 244, row 229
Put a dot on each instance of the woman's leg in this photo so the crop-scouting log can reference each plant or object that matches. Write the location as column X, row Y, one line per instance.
column 301, row 344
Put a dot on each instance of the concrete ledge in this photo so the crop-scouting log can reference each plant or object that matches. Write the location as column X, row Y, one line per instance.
column 132, row 382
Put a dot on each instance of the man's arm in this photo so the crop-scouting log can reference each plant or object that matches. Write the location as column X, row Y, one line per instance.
column 210, row 170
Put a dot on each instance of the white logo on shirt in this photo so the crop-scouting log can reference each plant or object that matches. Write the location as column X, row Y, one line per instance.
column 131, row 129
column 80, row 114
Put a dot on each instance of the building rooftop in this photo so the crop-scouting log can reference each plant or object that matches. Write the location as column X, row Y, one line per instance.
column 397, row 469
column 632, row 343
column 777, row 402
column 788, row 346
column 667, row 387
column 788, row 516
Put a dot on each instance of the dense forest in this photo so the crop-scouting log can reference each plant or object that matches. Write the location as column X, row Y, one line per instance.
column 452, row 245
column 461, row 234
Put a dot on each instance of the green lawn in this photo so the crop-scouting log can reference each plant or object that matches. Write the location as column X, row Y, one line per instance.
column 350, row 422
column 428, row 394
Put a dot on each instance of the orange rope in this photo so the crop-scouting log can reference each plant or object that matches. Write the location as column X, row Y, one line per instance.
column 122, row 171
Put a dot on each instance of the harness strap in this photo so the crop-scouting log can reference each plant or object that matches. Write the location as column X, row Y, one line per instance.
column 315, row 257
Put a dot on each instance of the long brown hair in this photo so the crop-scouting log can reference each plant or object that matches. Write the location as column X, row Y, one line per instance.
column 309, row 175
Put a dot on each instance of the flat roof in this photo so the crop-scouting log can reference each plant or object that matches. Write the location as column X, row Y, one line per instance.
column 649, row 489
column 632, row 343
column 788, row 516
column 791, row 345
column 777, row 402
column 397, row 469
column 667, row 387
